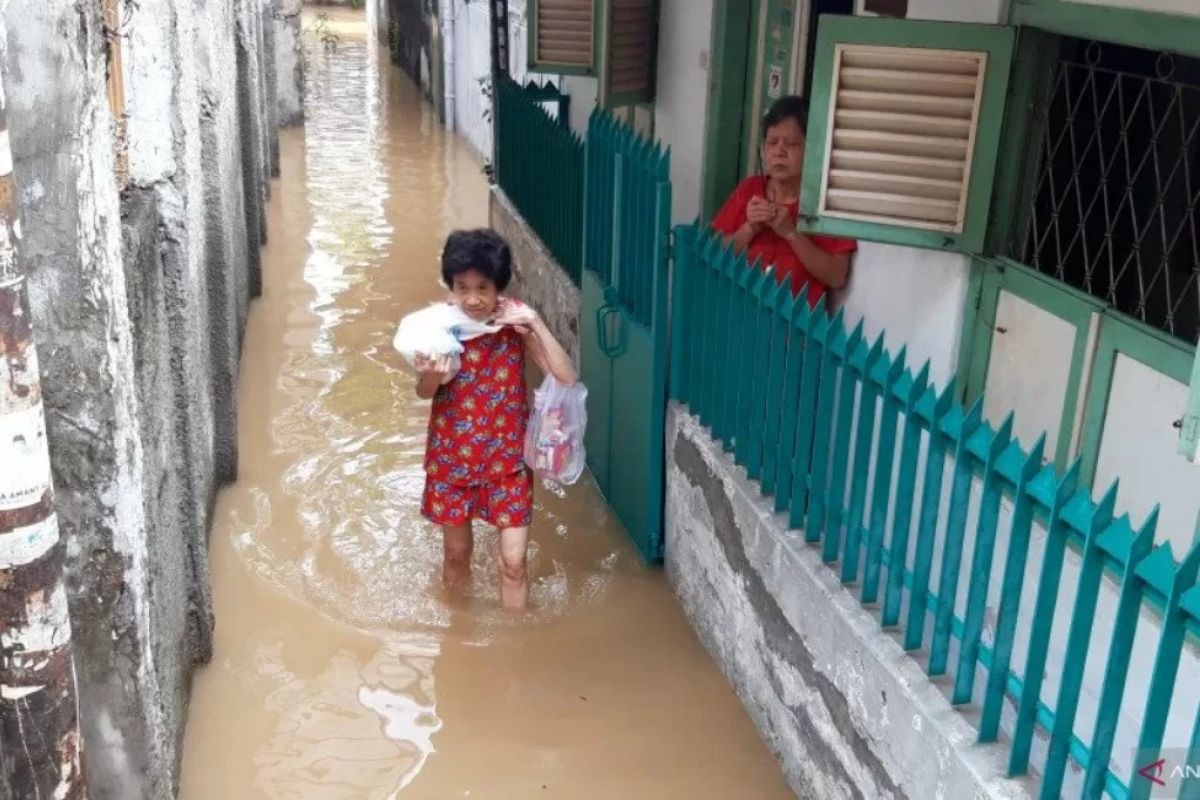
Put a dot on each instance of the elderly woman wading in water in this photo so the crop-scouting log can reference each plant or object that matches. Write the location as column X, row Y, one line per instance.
column 474, row 460
column 759, row 218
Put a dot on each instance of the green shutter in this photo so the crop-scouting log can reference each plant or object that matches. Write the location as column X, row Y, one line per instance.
column 1189, row 439
column 629, row 47
column 904, row 130
column 562, row 36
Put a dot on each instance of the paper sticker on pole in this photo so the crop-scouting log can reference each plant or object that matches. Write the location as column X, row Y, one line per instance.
column 26, row 458
column 29, row 543
column 47, row 626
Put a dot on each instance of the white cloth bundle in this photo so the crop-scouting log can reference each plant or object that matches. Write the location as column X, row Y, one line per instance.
column 438, row 330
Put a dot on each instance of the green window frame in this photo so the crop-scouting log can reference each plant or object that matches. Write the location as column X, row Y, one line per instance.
column 1071, row 306
column 1177, row 33
column 1121, row 335
column 996, row 41
column 1090, row 375
column 1189, row 436
column 1039, row 24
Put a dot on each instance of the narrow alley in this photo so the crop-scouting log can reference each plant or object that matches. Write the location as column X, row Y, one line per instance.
column 339, row 671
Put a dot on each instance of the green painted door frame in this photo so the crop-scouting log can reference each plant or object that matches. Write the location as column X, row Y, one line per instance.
column 732, row 53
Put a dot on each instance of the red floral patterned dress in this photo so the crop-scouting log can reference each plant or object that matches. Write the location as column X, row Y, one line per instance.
column 474, row 458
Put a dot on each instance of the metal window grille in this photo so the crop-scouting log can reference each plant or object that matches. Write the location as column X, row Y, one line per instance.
column 1114, row 206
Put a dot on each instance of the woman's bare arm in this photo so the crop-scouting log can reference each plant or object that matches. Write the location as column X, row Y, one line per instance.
column 549, row 355
column 831, row 269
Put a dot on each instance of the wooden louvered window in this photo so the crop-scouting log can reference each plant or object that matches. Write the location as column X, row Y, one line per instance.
column 904, row 130
column 629, row 53
column 562, row 36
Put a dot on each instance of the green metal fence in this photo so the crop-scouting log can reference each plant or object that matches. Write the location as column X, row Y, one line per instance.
column 833, row 427
column 540, row 168
column 625, row 176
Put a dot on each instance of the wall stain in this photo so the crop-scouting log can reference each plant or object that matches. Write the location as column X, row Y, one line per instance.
column 781, row 639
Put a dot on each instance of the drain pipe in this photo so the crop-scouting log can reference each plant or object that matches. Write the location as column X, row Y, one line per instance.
column 448, row 77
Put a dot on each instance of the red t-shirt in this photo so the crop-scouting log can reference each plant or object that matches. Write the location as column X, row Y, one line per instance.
column 770, row 246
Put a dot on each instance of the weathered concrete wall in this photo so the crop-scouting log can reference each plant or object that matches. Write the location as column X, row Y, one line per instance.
column 412, row 43
column 228, row 253
column 289, row 61
column 848, row 712
column 166, row 159
column 538, row 279
column 140, row 304
column 167, row 499
column 250, row 118
column 64, row 167
column 270, row 60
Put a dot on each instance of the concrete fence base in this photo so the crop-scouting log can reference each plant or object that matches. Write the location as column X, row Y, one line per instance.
column 847, row 711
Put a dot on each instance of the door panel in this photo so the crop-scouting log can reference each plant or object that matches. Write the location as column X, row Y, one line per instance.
column 637, row 428
column 596, row 374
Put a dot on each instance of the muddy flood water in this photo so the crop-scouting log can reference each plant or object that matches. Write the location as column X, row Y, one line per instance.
column 340, row 672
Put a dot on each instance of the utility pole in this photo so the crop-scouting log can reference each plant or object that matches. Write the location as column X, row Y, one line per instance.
column 39, row 715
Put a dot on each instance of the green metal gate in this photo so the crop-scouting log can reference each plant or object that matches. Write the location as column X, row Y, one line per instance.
column 623, row 324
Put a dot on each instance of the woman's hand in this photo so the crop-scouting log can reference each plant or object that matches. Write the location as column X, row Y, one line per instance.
column 518, row 316
column 434, row 372
column 781, row 221
column 760, row 212
column 432, row 367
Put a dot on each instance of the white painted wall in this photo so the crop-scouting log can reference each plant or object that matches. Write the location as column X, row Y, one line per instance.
column 1036, row 386
column 916, row 297
column 472, row 74
column 682, row 97
column 1139, row 447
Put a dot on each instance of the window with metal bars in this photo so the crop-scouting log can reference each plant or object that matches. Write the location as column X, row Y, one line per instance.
column 1114, row 208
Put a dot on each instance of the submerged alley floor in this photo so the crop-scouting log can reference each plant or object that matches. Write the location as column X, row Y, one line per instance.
column 339, row 671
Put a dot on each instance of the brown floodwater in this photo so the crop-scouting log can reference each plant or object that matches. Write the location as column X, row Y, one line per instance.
column 340, row 672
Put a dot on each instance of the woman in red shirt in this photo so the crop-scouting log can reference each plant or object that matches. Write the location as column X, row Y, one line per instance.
column 759, row 218
column 474, row 456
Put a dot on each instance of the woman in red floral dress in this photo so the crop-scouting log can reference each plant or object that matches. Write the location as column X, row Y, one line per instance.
column 474, row 465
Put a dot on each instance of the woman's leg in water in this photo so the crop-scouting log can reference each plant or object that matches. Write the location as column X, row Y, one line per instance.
column 457, row 545
column 514, row 578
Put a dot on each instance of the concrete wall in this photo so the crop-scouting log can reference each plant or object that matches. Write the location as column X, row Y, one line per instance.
column 848, row 713
column 289, row 61
column 412, row 43
column 538, row 279
column 139, row 302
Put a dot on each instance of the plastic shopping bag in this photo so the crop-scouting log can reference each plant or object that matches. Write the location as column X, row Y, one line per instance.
column 554, row 437
column 438, row 330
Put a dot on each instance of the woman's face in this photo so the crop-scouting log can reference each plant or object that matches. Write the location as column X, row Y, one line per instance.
column 783, row 150
column 476, row 294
